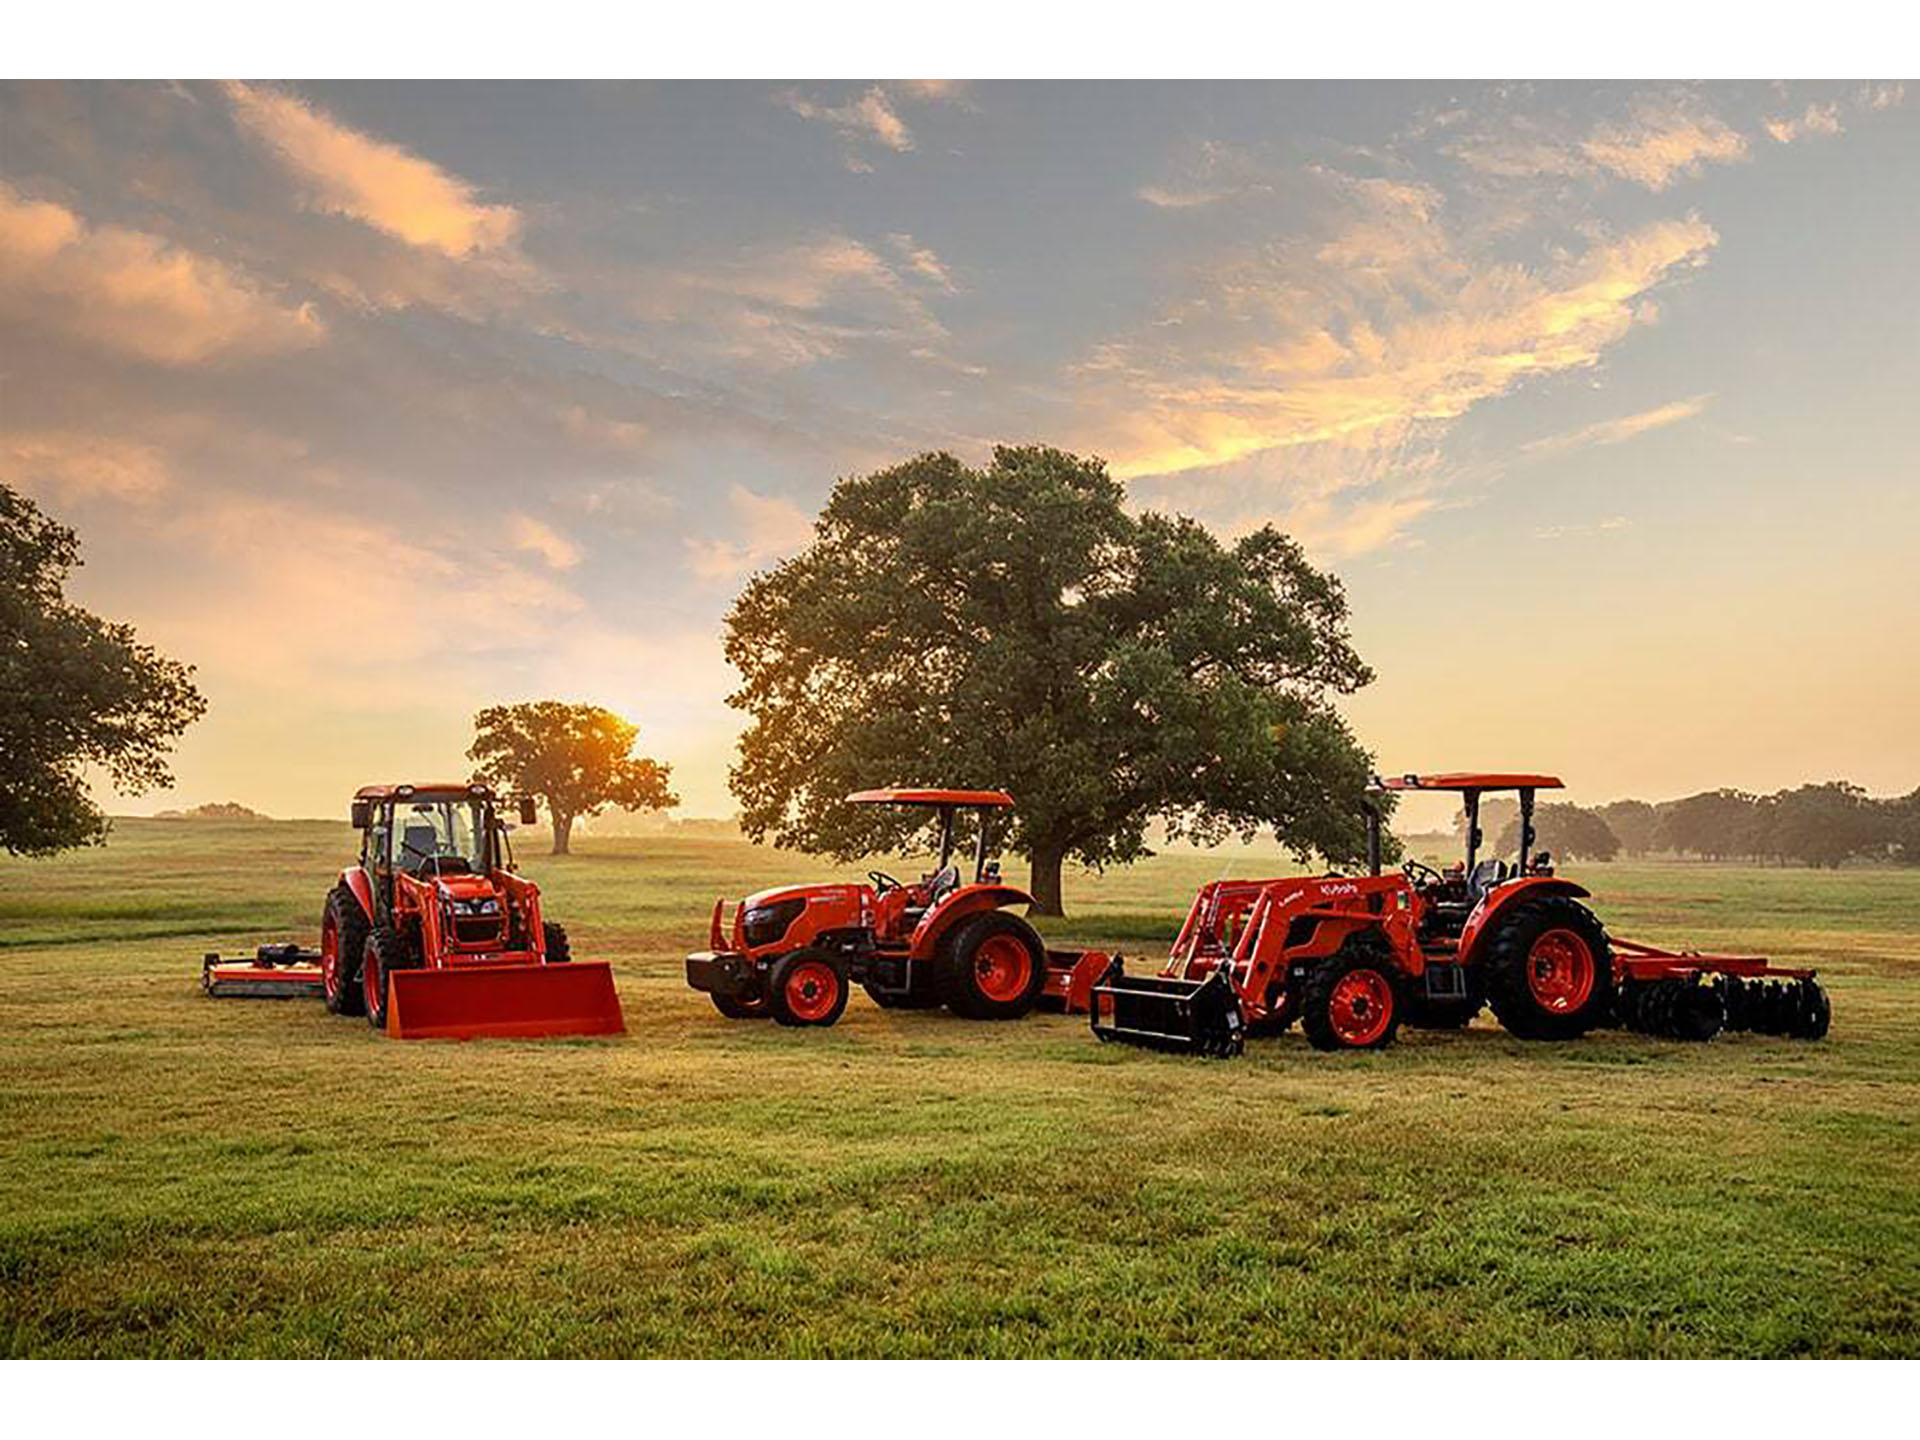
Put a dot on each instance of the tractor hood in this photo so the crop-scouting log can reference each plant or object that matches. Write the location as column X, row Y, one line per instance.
column 761, row 898
column 464, row 887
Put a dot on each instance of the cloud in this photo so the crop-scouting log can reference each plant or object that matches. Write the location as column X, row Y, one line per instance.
column 766, row 528
column 1212, row 172
column 1312, row 378
column 1662, row 139
column 543, row 540
column 1663, row 143
column 870, row 118
column 369, row 180
column 136, row 293
column 923, row 262
column 1815, row 120
column 790, row 305
column 74, row 466
column 1613, row 432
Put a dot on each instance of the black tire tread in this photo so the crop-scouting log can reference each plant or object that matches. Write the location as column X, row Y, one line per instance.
column 956, row 965
column 1363, row 950
column 1505, row 961
column 351, row 923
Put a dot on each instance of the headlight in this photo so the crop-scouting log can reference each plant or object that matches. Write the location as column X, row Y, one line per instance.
column 485, row 905
column 765, row 924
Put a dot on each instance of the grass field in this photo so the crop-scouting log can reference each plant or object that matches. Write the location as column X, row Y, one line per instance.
column 185, row 1177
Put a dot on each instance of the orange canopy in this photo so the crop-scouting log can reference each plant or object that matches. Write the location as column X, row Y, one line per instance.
column 894, row 795
column 1466, row 780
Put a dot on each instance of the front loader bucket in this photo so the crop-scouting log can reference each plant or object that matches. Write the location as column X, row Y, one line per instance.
column 1199, row 1017
column 478, row 1001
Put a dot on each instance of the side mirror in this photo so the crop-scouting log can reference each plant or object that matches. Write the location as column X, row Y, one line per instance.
column 528, row 815
column 362, row 814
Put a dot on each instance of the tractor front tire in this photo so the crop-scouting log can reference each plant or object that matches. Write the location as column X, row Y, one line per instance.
column 559, row 951
column 1549, row 970
column 386, row 951
column 995, row 966
column 343, row 937
column 1352, row 999
column 741, row 1007
column 808, row 987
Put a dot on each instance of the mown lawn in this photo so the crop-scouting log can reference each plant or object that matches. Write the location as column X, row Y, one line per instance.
column 184, row 1177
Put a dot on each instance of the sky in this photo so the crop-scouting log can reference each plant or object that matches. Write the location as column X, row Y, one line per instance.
column 380, row 402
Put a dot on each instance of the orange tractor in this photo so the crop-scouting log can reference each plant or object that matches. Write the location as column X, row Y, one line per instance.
column 793, row 952
column 432, row 934
column 1352, row 958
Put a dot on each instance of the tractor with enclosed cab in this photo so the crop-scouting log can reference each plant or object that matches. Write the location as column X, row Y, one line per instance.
column 433, row 934
column 1353, row 958
column 794, row 951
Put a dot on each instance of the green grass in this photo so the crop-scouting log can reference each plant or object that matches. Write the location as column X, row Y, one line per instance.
column 185, row 1177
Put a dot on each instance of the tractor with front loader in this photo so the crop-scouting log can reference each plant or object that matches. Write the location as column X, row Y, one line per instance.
column 1352, row 958
column 793, row 952
column 432, row 934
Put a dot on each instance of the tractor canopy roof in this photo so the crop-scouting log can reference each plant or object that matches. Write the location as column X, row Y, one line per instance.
column 894, row 795
column 1468, row 780
column 440, row 789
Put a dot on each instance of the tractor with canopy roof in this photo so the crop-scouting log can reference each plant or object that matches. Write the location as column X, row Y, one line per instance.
column 1352, row 958
column 792, row 952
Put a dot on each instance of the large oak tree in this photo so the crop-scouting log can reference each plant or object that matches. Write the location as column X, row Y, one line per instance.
column 576, row 759
column 75, row 691
column 1015, row 626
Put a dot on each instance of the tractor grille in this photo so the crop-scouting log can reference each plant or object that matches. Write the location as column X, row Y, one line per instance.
column 476, row 929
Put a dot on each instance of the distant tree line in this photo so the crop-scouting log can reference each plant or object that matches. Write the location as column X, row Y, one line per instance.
column 1817, row 825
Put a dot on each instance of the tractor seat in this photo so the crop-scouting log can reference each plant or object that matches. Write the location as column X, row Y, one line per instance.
column 1486, row 875
column 941, row 884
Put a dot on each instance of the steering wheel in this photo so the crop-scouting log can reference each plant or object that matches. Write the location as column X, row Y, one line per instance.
column 882, row 882
column 1414, row 870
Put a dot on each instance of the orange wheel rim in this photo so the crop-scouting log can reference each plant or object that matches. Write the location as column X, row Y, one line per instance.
column 1362, row 1007
column 1560, row 971
column 1002, row 967
column 812, row 989
column 371, row 981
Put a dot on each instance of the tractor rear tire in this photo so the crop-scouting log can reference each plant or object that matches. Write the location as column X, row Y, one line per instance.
column 995, row 967
column 1352, row 999
column 343, row 927
column 808, row 987
column 1549, row 970
column 386, row 950
column 559, row 952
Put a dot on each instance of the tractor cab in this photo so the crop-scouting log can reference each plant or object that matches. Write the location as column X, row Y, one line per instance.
column 1449, row 897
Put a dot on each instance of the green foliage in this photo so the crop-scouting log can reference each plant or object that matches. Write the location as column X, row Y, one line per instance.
column 78, row 691
column 1567, row 831
column 1015, row 627
column 575, row 758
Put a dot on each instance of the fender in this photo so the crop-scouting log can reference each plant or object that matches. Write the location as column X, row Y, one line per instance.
column 968, row 900
column 355, row 879
column 1504, row 896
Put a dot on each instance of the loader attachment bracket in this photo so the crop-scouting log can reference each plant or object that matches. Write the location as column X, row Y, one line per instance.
column 1195, row 1017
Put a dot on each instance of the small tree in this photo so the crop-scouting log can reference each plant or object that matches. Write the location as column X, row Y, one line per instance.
column 574, row 758
column 1016, row 627
column 78, row 691
column 1563, row 830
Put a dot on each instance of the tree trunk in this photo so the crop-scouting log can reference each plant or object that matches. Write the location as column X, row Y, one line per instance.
column 1044, row 885
column 562, row 833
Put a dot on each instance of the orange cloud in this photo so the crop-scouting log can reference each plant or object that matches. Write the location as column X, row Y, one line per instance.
column 1613, row 432
column 74, row 466
column 135, row 293
column 871, row 117
column 379, row 184
column 766, row 528
column 1662, row 144
column 543, row 540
